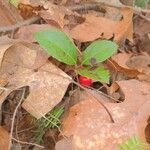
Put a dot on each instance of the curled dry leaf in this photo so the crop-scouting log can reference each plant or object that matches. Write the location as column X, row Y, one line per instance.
column 89, row 125
column 47, row 83
column 94, row 27
column 5, row 43
column 4, row 139
column 118, row 64
column 140, row 63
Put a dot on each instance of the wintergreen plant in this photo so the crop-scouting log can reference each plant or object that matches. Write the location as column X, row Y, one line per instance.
column 60, row 46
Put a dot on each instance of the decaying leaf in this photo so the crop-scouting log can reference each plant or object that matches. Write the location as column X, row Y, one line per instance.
column 140, row 63
column 4, row 139
column 118, row 64
column 47, row 83
column 130, row 65
column 89, row 125
column 26, row 33
column 94, row 27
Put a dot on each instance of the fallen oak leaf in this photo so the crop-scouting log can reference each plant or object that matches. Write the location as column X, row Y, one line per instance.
column 25, row 33
column 140, row 63
column 94, row 27
column 114, row 64
column 89, row 125
column 47, row 84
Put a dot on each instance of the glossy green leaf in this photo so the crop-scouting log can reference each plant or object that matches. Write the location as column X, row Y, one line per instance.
column 58, row 45
column 98, row 74
column 141, row 3
column 99, row 50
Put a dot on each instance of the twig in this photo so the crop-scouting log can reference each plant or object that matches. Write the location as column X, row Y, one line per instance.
column 27, row 143
column 89, row 6
column 19, row 24
column 13, row 119
column 108, row 96
column 98, row 4
column 143, row 17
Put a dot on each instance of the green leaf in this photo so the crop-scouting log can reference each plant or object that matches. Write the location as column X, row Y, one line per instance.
column 133, row 143
column 141, row 3
column 58, row 45
column 99, row 50
column 98, row 74
column 14, row 2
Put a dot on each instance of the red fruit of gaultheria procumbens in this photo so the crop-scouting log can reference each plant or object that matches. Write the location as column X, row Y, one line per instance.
column 85, row 81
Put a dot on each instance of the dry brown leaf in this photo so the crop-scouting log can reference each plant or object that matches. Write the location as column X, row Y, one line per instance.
column 89, row 125
column 26, row 33
column 140, row 63
column 142, row 35
column 53, row 14
column 118, row 64
column 94, row 27
column 113, row 88
column 47, row 84
column 4, row 139
column 3, row 48
column 8, row 15
column 122, row 58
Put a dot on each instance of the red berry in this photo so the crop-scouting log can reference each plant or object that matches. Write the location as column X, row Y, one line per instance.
column 85, row 81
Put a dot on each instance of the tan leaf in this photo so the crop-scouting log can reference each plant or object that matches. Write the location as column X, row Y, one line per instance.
column 118, row 64
column 53, row 13
column 47, row 83
column 4, row 139
column 94, row 27
column 113, row 88
column 8, row 15
column 140, row 63
column 26, row 33
column 89, row 125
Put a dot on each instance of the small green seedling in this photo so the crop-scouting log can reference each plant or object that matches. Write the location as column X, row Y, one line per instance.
column 51, row 120
column 133, row 143
column 58, row 45
column 141, row 3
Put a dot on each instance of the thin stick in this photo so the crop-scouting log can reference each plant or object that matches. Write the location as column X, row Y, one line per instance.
column 27, row 143
column 19, row 24
column 97, row 4
column 13, row 119
column 108, row 96
column 143, row 17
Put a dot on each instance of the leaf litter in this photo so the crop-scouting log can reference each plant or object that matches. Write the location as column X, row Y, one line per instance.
column 86, row 125
column 18, row 69
column 89, row 125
